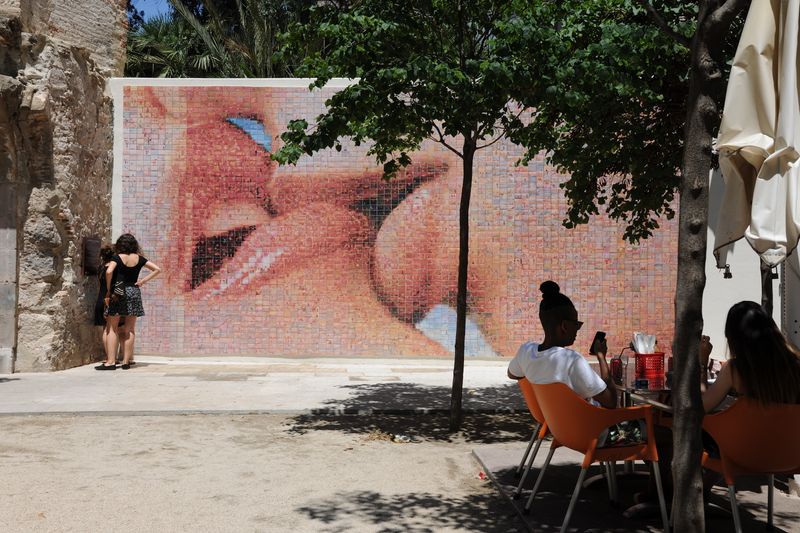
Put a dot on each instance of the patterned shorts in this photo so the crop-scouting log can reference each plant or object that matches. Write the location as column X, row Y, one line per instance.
column 131, row 305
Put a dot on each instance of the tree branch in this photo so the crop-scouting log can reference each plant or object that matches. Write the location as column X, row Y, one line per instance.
column 444, row 143
column 723, row 16
column 487, row 145
column 505, row 130
column 662, row 24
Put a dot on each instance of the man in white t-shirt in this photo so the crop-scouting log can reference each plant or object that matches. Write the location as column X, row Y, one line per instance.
column 552, row 362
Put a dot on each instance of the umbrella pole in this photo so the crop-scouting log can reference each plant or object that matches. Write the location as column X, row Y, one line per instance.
column 766, row 288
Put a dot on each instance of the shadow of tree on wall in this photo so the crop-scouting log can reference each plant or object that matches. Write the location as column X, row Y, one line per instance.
column 492, row 414
column 413, row 512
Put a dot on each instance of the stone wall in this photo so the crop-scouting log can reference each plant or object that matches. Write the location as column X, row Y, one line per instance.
column 55, row 173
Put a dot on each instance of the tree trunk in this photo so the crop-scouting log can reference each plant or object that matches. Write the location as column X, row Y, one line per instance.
column 687, row 502
column 456, row 415
column 702, row 120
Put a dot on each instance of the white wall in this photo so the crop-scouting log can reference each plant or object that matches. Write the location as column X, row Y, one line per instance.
column 791, row 292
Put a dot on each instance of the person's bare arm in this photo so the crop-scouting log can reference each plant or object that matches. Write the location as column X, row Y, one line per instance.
column 607, row 398
column 705, row 360
column 155, row 271
column 112, row 265
column 716, row 392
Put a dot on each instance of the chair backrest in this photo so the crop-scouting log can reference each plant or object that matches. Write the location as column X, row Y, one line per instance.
column 758, row 438
column 530, row 400
column 570, row 418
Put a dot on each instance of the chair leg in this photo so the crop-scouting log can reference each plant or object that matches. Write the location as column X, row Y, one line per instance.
column 607, row 467
column 770, row 500
column 661, row 502
column 527, row 470
column 574, row 499
column 538, row 481
column 612, row 468
column 737, row 524
column 528, row 449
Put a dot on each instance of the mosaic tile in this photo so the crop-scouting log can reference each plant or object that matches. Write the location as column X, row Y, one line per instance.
column 327, row 259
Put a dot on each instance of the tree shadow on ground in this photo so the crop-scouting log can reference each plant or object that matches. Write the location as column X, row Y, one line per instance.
column 752, row 511
column 412, row 512
column 3, row 380
column 422, row 418
column 403, row 397
column 594, row 512
column 476, row 427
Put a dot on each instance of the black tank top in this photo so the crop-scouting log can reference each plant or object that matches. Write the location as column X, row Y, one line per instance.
column 129, row 275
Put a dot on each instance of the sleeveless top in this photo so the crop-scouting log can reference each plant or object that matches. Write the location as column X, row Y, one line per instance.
column 128, row 275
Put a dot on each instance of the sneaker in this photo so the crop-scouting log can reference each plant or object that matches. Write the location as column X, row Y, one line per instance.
column 105, row 367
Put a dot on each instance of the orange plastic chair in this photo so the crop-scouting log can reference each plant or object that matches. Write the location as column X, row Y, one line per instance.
column 540, row 431
column 578, row 425
column 754, row 439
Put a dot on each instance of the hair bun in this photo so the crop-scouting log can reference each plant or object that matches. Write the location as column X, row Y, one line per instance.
column 549, row 289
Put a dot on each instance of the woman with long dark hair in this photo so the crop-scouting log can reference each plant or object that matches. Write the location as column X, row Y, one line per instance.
column 100, row 307
column 763, row 365
column 124, row 297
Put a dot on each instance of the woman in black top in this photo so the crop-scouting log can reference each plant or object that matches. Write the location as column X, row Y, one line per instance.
column 100, row 308
column 125, row 266
column 106, row 254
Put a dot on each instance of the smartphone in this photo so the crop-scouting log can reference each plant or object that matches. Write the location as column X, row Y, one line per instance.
column 598, row 336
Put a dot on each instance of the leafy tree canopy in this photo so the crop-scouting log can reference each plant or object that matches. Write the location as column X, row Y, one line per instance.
column 613, row 112
column 214, row 38
column 135, row 17
column 421, row 69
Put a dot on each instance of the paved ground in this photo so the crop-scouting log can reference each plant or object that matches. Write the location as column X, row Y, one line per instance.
column 593, row 511
column 252, row 444
column 260, row 385
column 242, row 473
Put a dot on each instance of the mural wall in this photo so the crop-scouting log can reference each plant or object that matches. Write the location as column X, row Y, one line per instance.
column 327, row 259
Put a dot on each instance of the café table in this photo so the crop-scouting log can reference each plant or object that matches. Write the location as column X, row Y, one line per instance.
column 656, row 393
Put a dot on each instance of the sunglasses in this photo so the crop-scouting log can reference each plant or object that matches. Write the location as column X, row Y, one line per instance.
column 578, row 323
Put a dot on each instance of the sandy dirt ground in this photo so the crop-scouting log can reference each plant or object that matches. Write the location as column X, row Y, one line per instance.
column 246, row 473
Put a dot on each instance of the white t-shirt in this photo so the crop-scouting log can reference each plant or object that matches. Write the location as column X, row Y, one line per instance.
column 556, row 365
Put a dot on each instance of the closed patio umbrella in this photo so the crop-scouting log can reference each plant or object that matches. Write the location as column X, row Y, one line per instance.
column 759, row 138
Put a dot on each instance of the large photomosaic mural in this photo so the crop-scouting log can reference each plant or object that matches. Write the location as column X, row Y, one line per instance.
column 327, row 259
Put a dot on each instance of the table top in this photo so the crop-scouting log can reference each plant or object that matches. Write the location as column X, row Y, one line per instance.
column 645, row 399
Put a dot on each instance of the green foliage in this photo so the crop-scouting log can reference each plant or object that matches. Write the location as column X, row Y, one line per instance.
column 165, row 47
column 243, row 46
column 603, row 90
column 421, row 69
column 203, row 38
column 613, row 113
column 135, row 17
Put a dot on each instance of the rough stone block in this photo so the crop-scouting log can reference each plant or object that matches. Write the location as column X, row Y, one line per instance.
column 37, row 266
column 9, row 7
column 36, row 342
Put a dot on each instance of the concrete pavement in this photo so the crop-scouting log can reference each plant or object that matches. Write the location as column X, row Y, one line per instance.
column 261, row 385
